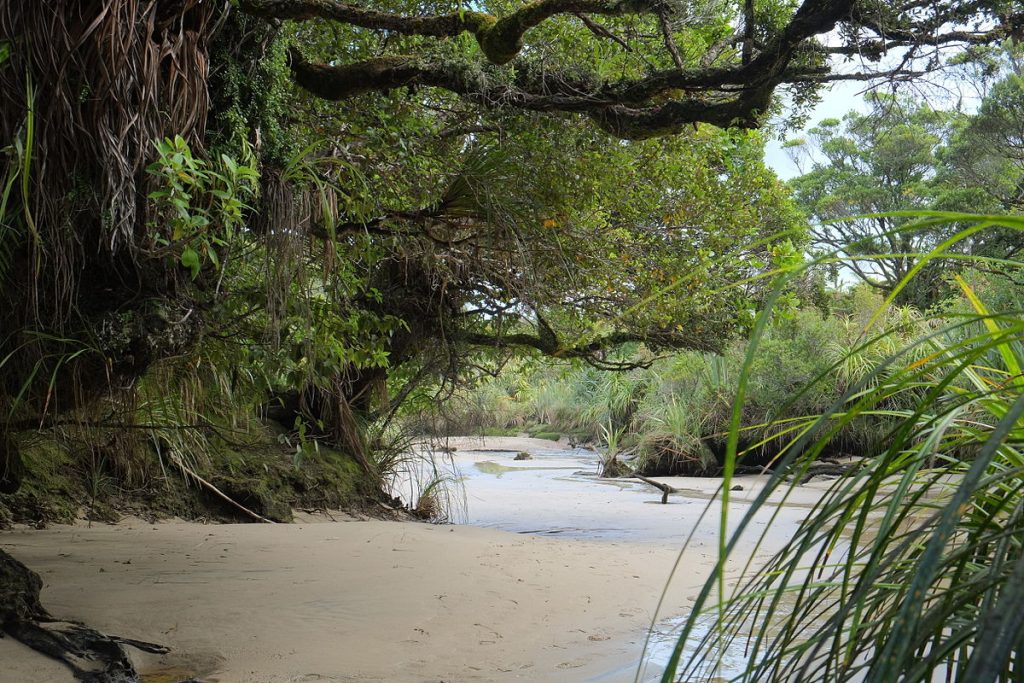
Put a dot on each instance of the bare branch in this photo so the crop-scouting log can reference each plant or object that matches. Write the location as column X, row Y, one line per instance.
column 670, row 42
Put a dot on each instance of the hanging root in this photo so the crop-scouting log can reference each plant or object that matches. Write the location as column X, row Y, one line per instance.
column 92, row 656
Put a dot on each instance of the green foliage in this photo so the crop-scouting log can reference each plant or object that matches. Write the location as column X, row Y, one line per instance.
column 676, row 413
column 864, row 168
column 586, row 238
column 252, row 92
column 909, row 567
column 983, row 164
column 903, row 156
column 611, row 438
column 200, row 205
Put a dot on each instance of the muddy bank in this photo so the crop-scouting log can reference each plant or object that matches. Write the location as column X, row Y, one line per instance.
column 259, row 471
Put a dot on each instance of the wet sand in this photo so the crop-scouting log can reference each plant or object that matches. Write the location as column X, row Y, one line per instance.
column 562, row 586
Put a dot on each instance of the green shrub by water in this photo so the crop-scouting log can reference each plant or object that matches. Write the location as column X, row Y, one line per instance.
column 674, row 415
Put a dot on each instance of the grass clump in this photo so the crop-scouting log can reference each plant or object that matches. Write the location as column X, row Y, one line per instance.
column 911, row 567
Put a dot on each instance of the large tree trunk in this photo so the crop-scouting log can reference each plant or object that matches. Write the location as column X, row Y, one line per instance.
column 92, row 656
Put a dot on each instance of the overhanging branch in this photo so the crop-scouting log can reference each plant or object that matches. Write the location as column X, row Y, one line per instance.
column 658, row 103
column 722, row 96
column 500, row 39
column 612, row 106
column 549, row 345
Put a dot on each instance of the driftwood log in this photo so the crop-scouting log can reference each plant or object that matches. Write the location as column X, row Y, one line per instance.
column 664, row 488
column 829, row 469
column 749, row 469
column 92, row 656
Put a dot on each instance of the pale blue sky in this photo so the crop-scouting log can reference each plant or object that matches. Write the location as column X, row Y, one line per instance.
column 842, row 97
column 947, row 90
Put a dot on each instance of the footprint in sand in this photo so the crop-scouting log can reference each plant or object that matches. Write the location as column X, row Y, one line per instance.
column 575, row 664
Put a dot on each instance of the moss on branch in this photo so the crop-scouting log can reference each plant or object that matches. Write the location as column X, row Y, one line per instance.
column 624, row 110
column 349, row 80
column 734, row 96
column 499, row 38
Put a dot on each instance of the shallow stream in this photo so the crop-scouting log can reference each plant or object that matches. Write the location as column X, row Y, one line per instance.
column 557, row 493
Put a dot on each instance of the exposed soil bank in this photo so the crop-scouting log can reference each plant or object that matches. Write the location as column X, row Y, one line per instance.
column 62, row 481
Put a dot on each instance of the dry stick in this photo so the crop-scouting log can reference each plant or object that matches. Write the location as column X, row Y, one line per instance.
column 220, row 494
column 664, row 488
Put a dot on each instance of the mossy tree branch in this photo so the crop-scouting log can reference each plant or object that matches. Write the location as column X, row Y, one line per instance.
column 500, row 39
column 733, row 95
column 618, row 109
column 591, row 351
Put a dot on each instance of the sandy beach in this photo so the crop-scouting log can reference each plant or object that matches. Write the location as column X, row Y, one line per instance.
column 544, row 584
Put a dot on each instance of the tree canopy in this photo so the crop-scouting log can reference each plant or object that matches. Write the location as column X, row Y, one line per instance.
column 326, row 192
column 985, row 154
column 866, row 167
column 905, row 155
column 637, row 68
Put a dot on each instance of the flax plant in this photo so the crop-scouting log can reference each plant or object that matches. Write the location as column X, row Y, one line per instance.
column 911, row 566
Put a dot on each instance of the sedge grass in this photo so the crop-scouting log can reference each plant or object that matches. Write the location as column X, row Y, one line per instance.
column 910, row 567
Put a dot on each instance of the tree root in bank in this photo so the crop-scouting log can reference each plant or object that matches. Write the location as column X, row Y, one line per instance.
column 92, row 656
column 217, row 492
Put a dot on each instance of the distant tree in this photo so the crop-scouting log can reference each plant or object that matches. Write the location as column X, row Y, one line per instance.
column 982, row 166
column 868, row 165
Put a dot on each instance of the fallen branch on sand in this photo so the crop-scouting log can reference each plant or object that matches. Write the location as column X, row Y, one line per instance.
column 749, row 469
column 664, row 488
column 92, row 656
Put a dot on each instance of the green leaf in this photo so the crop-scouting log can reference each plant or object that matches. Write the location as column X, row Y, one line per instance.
column 190, row 259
